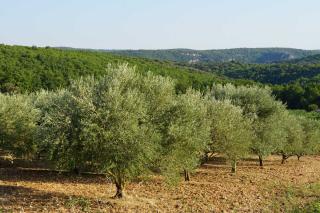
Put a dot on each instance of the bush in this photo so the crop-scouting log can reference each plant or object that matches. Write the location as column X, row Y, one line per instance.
column 18, row 120
column 231, row 131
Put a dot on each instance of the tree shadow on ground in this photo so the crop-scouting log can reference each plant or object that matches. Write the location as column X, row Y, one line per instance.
column 251, row 161
column 19, row 198
column 49, row 176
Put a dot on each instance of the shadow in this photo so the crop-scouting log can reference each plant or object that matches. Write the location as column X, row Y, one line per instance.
column 25, row 163
column 249, row 162
column 11, row 190
column 41, row 170
column 23, row 199
column 49, row 176
column 217, row 160
column 250, row 159
column 13, row 197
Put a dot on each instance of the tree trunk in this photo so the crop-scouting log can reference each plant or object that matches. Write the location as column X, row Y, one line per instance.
column 120, row 190
column 186, row 175
column 284, row 158
column 234, row 166
column 38, row 155
column 76, row 171
column 205, row 158
column 299, row 156
column 261, row 161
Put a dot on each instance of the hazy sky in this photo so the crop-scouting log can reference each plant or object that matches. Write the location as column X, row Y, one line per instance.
column 160, row 24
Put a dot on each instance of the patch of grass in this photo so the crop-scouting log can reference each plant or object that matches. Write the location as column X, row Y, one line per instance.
column 298, row 199
column 78, row 203
column 313, row 207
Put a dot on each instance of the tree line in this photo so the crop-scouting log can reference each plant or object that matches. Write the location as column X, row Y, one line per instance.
column 126, row 124
column 296, row 83
column 29, row 69
column 244, row 55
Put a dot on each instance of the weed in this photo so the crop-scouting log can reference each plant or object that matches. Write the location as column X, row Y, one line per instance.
column 78, row 202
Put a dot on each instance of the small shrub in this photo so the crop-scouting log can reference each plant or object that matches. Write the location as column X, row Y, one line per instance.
column 78, row 202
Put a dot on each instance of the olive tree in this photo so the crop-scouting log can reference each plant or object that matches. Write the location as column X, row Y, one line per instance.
column 231, row 131
column 294, row 137
column 186, row 135
column 119, row 134
column 269, row 136
column 259, row 105
column 111, row 123
column 62, row 124
column 18, row 120
column 311, row 133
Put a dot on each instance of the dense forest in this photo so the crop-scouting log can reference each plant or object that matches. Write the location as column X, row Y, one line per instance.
column 244, row 55
column 28, row 69
column 296, row 83
column 277, row 73
column 32, row 68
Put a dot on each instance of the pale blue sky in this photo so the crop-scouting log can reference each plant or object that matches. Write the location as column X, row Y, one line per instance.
column 160, row 24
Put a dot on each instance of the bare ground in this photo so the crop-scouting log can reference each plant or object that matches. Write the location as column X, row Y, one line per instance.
column 212, row 189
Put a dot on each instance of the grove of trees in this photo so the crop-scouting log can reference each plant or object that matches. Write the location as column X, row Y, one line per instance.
column 126, row 124
column 296, row 83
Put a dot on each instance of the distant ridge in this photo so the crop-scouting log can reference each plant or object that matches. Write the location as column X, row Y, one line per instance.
column 244, row 55
column 313, row 59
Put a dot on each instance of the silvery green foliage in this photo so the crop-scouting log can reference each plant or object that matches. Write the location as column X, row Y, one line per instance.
column 18, row 119
column 269, row 135
column 62, row 122
column 311, row 137
column 231, row 131
column 260, row 105
column 294, row 135
column 187, row 135
column 120, row 134
column 255, row 101
column 114, row 124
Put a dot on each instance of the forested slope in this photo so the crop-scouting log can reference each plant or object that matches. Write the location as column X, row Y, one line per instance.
column 276, row 73
column 27, row 69
column 296, row 82
column 244, row 55
column 31, row 68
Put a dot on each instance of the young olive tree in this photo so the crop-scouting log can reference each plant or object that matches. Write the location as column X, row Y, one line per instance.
column 269, row 136
column 44, row 102
column 63, row 122
column 186, row 135
column 294, row 137
column 231, row 131
column 160, row 99
column 18, row 120
column 311, row 139
column 259, row 105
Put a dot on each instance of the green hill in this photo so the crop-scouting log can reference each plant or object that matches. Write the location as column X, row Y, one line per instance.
column 313, row 59
column 244, row 55
column 31, row 68
column 296, row 82
column 27, row 69
column 276, row 73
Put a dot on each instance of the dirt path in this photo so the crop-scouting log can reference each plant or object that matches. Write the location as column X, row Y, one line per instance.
column 212, row 189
